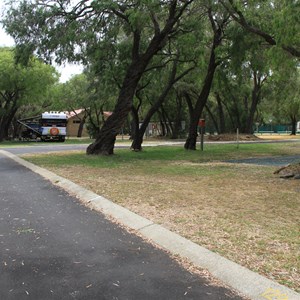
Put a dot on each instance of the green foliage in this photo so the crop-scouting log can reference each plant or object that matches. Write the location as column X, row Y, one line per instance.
column 29, row 82
column 285, row 101
column 286, row 22
column 22, row 87
column 276, row 23
column 101, row 35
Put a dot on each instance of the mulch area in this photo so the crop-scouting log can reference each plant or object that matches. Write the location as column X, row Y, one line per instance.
column 232, row 137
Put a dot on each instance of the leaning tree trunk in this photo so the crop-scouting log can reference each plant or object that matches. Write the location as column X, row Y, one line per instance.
column 221, row 114
column 191, row 140
column 2, row 133
column 105, row 141
column 135, row 122
column 250, row 119
column 255, row 98
column 5, row 122
column 167, row 121
column 294, row 124
column 178, row 117
column 213, row 119
column 138, row 138
column 81, row 126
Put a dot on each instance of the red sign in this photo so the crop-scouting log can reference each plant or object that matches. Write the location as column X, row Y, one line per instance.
column 201, row 123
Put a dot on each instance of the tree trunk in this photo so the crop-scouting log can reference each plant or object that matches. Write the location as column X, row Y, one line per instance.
column 106, row 138
column 2, row 133
column 138, row 140
column 80, row 128
column 212, row 117
column 6, row 120
column 221, row 114
column 238, row 117
column 163, row 126
column 167, row 121
column 178, row 117
column 189, row 104
column 254, row 102
column 231, row 117
column 294, row 124
column 190, row 143
column 135, row 122
column 177, row 124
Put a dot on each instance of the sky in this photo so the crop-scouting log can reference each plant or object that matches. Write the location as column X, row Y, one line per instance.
column 66, row 71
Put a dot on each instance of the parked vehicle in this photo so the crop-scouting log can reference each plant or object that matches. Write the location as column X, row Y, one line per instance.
column 49, row 126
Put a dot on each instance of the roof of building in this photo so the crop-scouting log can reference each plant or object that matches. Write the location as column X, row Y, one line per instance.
column 74, row 113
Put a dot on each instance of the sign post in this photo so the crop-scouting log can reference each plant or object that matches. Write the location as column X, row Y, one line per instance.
column 202, row 130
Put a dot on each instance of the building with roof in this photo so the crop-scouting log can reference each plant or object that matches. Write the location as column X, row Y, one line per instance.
column 76, row 123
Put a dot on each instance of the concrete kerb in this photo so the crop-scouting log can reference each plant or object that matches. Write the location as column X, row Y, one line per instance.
column 249, row 283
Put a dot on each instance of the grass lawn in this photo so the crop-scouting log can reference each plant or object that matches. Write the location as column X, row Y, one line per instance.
column 244, row 212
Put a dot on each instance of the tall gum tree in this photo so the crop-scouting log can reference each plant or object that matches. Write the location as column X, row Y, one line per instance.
column 172, row 78
column 218, row 24
column 69, row 30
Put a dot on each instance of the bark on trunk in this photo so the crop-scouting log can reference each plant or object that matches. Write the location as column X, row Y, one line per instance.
column 221, row 114
column 163, row 127
column 134, row 123
column 294, row 124
column 104, row 144
column 138, row 140
column 190, row 143
column 256, row 92
column 167, row 122
column 6, row 120
column 178, row 117
column 81, row 126
column 135, row 134
column 212, row 117
column 2, row 133
column 105, row 140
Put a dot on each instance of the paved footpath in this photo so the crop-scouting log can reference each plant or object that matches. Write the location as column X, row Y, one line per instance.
column 53, row 247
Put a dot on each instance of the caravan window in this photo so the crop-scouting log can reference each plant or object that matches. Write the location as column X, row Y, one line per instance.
column 53, row 122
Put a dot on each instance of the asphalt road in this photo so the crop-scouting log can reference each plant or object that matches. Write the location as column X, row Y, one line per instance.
column 268, row 161
column 42, row 148
column 52, row 247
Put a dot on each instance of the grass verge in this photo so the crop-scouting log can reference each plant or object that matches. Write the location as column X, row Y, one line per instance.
column 243, row 212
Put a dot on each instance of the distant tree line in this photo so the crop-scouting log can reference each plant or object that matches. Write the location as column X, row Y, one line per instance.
column 234, row 63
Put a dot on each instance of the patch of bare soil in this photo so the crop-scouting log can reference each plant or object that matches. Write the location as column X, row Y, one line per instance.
column 232, row 137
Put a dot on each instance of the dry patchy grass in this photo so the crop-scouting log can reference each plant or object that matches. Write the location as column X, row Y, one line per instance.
column 243, row 212
column 244, row 215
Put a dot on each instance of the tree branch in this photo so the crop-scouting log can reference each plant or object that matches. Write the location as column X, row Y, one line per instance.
column 238, row 16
